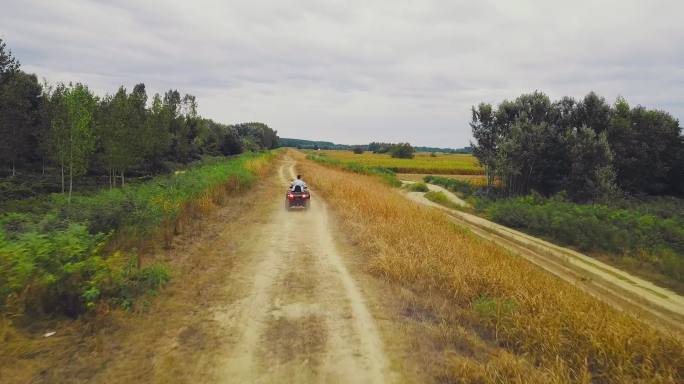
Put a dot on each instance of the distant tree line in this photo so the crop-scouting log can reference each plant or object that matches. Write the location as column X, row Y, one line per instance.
column 68, row 128
column 309, row 144
column 587, row 148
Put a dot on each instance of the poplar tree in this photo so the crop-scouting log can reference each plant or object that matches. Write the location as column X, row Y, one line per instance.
column 72, row 132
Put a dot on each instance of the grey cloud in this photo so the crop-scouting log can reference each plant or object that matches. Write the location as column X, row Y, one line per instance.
column 355, row 71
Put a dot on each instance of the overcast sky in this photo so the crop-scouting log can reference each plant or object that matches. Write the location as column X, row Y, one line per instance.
column 356, row 71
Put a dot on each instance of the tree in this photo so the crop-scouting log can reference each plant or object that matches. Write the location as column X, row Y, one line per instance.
column 58, row 134
column 591, row 175
column 358, row 149
column 231, row 143
column 593, row 112
column 20, row 103
column 72, row 134
column 19, row 107
column 110, row 126
column 402, row 151
column 646, row 146
column 8, row 63
column 171, row 106
column 533, row 144
column 487, row 135
column 521, row 160
column 379, row 147
column 156, row 136
column 260, row 134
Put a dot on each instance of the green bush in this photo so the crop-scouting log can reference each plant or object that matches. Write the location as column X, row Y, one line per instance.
column 440, row 198
column 418, row 187
column 402, row 151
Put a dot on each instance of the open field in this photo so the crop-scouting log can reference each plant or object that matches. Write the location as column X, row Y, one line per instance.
column 450, row 164
column 547, row 329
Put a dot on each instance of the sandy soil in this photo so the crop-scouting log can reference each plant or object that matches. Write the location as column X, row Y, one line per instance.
column 656, row 305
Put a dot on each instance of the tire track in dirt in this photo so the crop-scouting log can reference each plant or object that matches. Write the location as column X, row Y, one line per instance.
column 299, row 316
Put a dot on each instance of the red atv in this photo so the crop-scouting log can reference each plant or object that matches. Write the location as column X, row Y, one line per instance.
column 297, row 198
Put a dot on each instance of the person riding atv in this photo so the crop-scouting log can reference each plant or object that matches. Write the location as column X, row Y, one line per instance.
column 298, row 185
column 298, row 195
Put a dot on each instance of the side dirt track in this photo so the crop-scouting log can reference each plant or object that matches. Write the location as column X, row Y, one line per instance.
column 658, row 306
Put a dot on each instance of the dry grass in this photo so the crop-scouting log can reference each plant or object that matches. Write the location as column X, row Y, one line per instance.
column 448, row 164
column 549, row 330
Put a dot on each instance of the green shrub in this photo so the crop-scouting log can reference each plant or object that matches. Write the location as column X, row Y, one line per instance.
column 402, row 151
column 418, row 187
column 440, row 198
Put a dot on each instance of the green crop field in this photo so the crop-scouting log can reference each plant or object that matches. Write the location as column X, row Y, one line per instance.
column 424, row 163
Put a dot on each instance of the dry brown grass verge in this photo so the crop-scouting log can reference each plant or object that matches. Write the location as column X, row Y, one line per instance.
column 550, row 330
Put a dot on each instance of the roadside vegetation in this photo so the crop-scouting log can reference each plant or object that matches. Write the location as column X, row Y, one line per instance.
column 418, row 187
column 647, row 237
column 517, row 323
column 64, row 257
column 440, row 198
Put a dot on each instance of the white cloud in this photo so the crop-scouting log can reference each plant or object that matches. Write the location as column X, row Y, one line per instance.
column 356, row 71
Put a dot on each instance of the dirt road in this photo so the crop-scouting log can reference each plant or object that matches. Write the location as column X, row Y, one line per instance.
column 298, row 315
column 626, row 292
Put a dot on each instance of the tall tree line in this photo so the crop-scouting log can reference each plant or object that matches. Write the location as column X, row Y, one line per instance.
column 67, row 128
column 586, row 147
